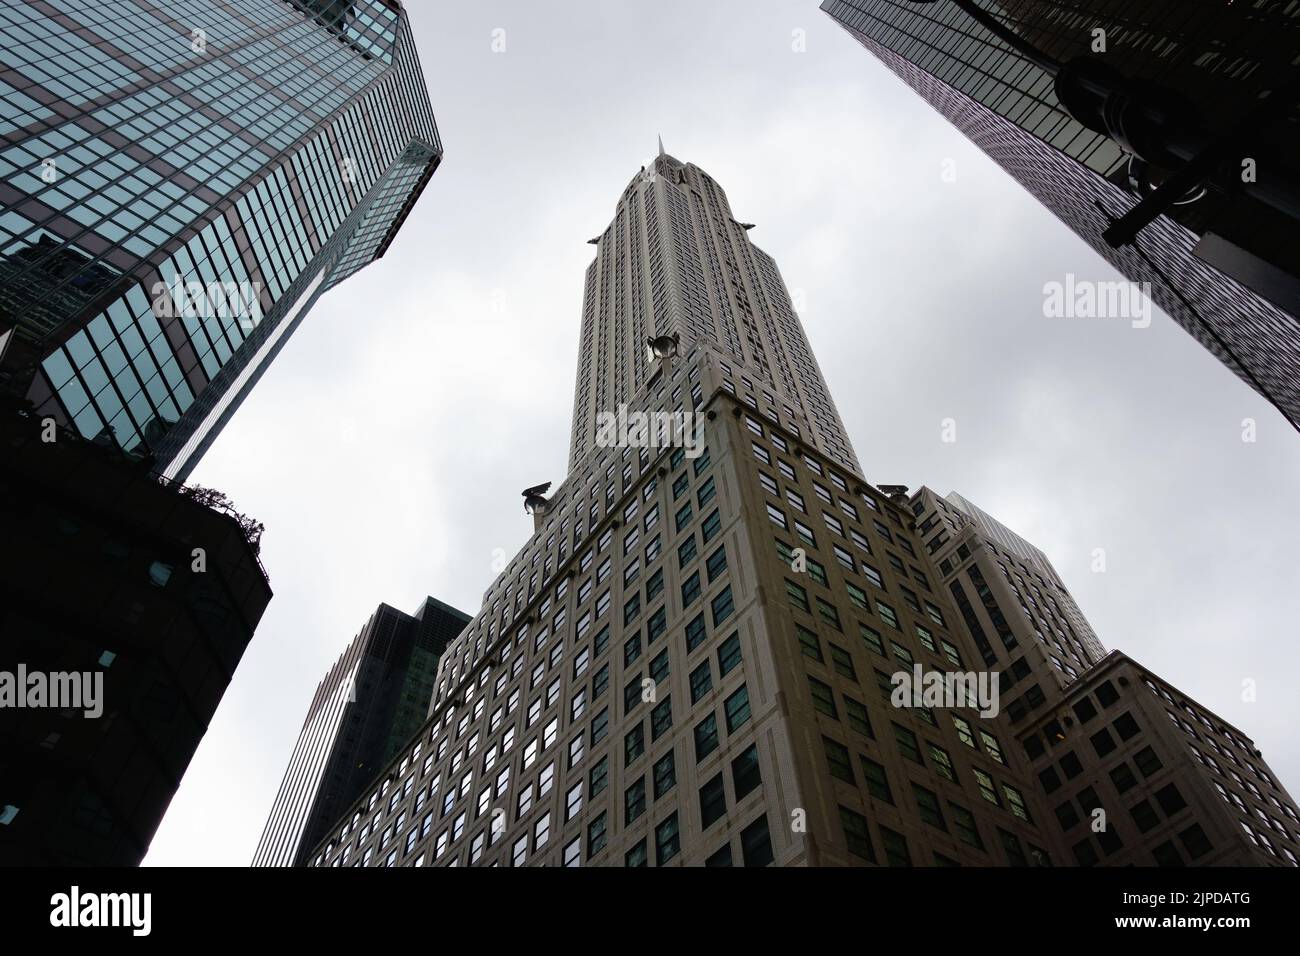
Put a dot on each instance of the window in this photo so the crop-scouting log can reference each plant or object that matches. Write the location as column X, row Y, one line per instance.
column 877, row 780
column 634, row 801
column 665, row 775
column 823, row 698
column 667, row 840
column 856, row 712
column 596, row 836
column 907, row 744
column 659, row 667
column 729, row 655
column 756, row 843
column 722, row 606
column 706, row 737
column 942, row 761
column 745, row 774
column 633, row 744
column 636, row 856
column 701, row 682
column 985, row 783
column 808, row 643
column 895, row 845
column 842, row 662
column 661, row 718
column 598, row 778
column 690, row 589
column 573, row 852
column 963, row 824
column 871, row 637
column 737, row 709
column 856, row 834
column 798, row 596
column 887, row 614
column 705, row 494
column 928, row 805
column 837, row 756
column 717, row 563
column 713, row 802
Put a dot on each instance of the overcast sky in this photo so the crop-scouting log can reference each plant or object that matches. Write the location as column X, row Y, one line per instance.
column 386, row 447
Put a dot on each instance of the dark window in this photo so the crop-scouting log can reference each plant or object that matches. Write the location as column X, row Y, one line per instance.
column 1195, row 841
column 706, row 737
column 756, row 843
column 745, row 774
column 713, row 801
column 1170, row 800
column 856, row 834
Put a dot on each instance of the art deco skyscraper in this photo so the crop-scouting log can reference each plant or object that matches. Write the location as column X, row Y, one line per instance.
column 178, row 186
column 693, row 659
column 1092, row 105
column 675, row 261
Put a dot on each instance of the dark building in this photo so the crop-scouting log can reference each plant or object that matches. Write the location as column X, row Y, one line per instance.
column 368, row 707
column 181, row 192
column 1093, row 105
column 108, row 571
column 693, row 660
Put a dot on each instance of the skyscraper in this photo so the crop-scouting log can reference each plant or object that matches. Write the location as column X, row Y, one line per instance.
column 1093, row 106
column 365, row 710
column 144, row 594
column 179, row 185
column 702, row 656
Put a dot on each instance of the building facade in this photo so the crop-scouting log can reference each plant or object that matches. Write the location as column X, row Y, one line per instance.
column 695, row 659
column 139, row 587
column 179, row 185
column 366, row 709
column 1222, row 261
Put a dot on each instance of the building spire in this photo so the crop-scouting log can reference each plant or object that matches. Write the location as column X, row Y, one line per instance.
column 661, row 146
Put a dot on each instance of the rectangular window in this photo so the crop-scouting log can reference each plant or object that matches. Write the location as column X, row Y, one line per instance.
column 837, row 757
column 877, row 780
column 907, row 744
column 667, row 840
column 808, row 643
column 706, row 737
column 729, row 655
column 634, row 802
column 737, row 709
column 701, row 681
column 823, row 698
column 722, row 606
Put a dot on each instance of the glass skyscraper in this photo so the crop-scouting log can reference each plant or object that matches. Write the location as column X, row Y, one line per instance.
column 179, row 183
column 1182, row 79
